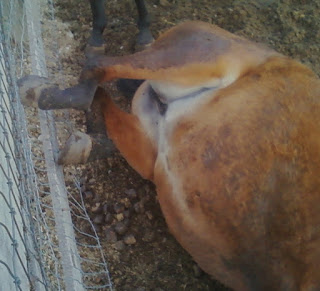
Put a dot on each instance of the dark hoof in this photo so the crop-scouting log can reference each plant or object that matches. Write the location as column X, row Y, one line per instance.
column 144, row 40
column 128, row 87
column 30, row 88
column 92, row 51
column 77, row 97
column 96, row 39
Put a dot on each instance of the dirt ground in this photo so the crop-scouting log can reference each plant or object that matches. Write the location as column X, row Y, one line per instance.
column 141, row 253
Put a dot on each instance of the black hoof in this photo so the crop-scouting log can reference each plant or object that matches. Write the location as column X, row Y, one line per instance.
column 144, row 40
column 30, row 88
column 93, row 51
column 96, row 39
column 77, row 97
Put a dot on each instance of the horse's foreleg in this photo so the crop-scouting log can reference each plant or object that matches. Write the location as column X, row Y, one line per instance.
column 99, row 22
column 145, row 37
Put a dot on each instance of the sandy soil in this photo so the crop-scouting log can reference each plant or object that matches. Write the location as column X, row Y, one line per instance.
column 142, row 254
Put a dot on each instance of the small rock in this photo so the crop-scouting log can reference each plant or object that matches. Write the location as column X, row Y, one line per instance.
column 127, row 203
column 92, row 181
column 118, row 208
column 129, row 239
column 149, row 215
column 97, row 208
column 88, row 195
column 138, row 207
column 145, row 198
column 148, row 236
column 98, row 219
column 164, row 3
column 105, row 208
column 97, row 227
column 126, row 222
column 127, row 213
column 108, row 218
column 131, row 193
column 197, row 271
column 119, row 245
column 111, row 236
column 120, row 228
column 120, row 216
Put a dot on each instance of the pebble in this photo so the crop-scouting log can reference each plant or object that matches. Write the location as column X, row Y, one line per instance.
column 108, row 218
column 129, row 239
column 88, row 195
column 118, row 208
column 127, row 213
column 126, row 222
column 97, row 208
column 105, row 208
column 197, row 271
column 98, row 228
column 149, row 215
column 111, row 236
column 120, row 216
column 119, row 245
column 120, row 228
column 98, row 219
column 164, row 3
column 148, row 236
column 131, row 193
column 92, row 181
column 127, row 203
column 138, row 207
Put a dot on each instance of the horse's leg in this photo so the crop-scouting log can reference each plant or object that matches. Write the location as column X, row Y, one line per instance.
column 41, row 92
column 99, row 22
column 128, row 86
column 145, row 37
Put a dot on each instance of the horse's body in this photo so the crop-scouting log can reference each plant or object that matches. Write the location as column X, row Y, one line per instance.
column 229, row 132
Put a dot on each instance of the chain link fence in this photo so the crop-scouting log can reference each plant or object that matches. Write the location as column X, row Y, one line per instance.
column 47, row 241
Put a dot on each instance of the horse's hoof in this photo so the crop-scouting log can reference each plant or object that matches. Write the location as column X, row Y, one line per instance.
column 144, row 40
column 78, row 97
column 91, row 51
column 76, row 150
column 30, row 88
column 81, row 148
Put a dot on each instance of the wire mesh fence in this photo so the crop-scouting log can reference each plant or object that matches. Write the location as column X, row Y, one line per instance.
column 47, row 241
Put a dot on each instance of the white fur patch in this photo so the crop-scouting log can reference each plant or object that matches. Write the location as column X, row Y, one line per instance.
column 167, row 124
column 169, row 92
column 159, row 127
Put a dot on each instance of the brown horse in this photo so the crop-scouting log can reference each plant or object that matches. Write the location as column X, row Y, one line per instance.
column 229, row 132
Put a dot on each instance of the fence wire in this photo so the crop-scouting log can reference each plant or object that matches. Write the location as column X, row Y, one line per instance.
column 31, row 247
